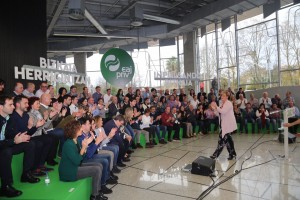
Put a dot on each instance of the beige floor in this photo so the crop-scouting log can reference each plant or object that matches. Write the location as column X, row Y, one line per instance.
column 156, row 174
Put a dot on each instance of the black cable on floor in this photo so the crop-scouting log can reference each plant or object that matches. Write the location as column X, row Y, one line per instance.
column 213, row 186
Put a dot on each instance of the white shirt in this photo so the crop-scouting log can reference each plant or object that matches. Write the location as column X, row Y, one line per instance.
column 267, row 101
column 107, row 98
column 39, row 93
column 146, row 122
column 243, row 103
column 194, row 103
column 27, row 94
column 73, row 108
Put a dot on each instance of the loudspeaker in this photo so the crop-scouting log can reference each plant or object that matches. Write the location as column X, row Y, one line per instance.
column 292, row 138
column 203, row 166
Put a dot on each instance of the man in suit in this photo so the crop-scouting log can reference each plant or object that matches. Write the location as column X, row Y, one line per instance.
column 20, row 143
column 201, row 93
column 113, row 108
column 121, row 138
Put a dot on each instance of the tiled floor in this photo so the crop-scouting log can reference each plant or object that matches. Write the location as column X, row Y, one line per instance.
column 156, row 173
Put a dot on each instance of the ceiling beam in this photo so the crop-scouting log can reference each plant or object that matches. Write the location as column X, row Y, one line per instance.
column 56, row 15
column 98, row 26
column 124, row 10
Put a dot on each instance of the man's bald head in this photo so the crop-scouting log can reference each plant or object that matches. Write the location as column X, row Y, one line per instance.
column 45, row 99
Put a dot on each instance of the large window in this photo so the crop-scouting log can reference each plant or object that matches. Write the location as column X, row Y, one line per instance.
column 289, row 34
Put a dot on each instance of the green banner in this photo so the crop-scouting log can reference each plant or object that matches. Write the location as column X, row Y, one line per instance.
column 117, row 67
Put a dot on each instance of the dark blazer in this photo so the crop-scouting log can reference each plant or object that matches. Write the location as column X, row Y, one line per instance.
column 7, row 142
column 112, row 110
column 17, row 124
column 118, row 137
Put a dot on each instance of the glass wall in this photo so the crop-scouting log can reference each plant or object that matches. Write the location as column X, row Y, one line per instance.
column 254, row 53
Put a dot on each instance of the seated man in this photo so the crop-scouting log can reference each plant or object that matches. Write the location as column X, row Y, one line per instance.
column 168, row 120
column 9, row 147
column 249, row 116
column 292, row 119
column 92, row 155
column 157, row 124
column 120, row 138
column 275, row 117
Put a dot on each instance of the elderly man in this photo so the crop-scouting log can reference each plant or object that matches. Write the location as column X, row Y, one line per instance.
column 265, row 100
column 43, row 89
column 241, row 102
column 28, row 92
column 57, row 134
column 18, row 89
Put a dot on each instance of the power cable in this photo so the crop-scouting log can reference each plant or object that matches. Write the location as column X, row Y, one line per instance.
column 213, row 186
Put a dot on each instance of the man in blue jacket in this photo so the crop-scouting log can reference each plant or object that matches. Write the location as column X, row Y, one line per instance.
column 93, row 156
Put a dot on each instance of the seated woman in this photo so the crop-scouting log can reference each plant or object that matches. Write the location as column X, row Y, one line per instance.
column 211, row 118
column 201, row 117
column 262, row 119
column 187, row 128
column 104, row 147
column 70, row 167
column 132, row 125
column 99, row 131
column 275, row 117
column 147, row 121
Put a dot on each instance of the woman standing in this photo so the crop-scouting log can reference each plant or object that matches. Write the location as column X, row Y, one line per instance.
column 227, row 126
column 70, row 167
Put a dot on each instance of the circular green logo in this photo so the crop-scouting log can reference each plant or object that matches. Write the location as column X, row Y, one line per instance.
column 117, row 67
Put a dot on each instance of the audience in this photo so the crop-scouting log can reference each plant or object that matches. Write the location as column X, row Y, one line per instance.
column 101, row 131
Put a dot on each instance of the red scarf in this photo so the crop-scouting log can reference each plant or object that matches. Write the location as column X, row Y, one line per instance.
column 263, row 119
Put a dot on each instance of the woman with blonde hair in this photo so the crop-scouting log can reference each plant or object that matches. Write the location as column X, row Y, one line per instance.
column 227, row 126
column 134, row 126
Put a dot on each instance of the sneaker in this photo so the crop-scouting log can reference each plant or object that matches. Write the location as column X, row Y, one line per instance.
column 105, row 190
column 116, row 170
column 111, row 181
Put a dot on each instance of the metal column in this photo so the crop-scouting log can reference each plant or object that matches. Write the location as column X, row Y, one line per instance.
column 237, row 59
column 217, row 54
column 278, row 49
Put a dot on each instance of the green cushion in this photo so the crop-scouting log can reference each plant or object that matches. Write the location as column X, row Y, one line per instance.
column 56, row 190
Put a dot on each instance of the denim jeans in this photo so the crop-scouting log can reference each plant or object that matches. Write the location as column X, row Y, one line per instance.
column 114, row 149
column 252, row 121
column 259, row 123
column 59, row 134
